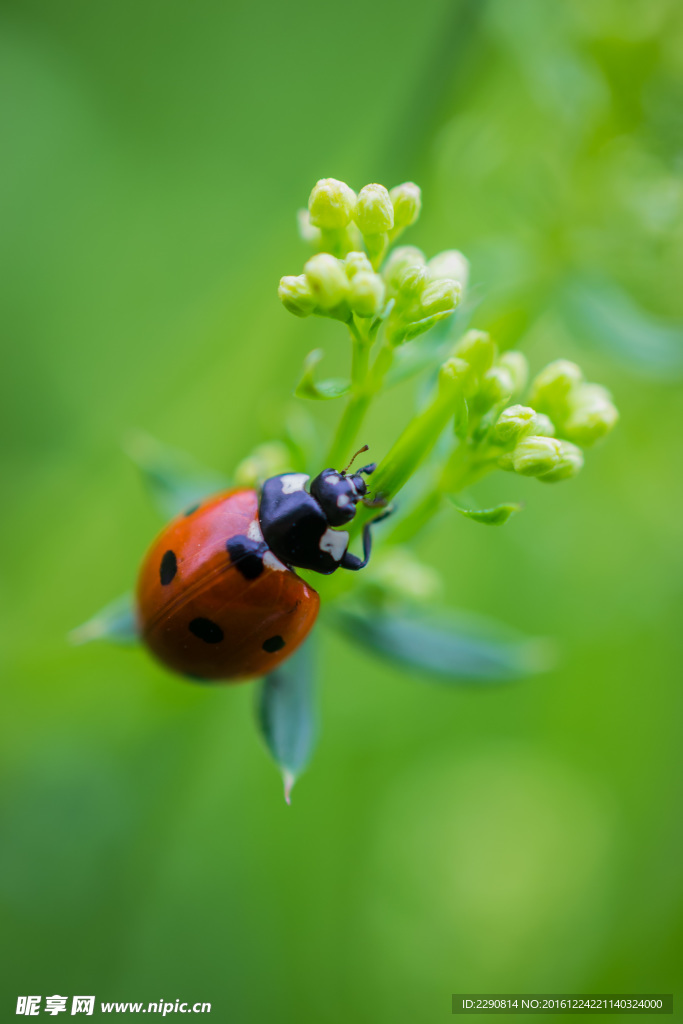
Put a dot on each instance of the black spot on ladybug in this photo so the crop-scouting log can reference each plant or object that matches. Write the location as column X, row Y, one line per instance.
column 208, row 631
column 246, row 555
column 191, row 510
column 273, row 644
column 168, row 568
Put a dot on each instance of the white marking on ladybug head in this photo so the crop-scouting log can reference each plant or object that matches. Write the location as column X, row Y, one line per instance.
column 343, row 500
column 254, row 531
column 272, row 562
column 292, row 482
column 335, row 543
column 332, row 479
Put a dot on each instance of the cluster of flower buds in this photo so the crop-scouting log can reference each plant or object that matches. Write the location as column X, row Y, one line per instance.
column 335, row 287
column 542, row 439
column 352, row 234
column 338, row 221
column 582, row 412
column 423, row 292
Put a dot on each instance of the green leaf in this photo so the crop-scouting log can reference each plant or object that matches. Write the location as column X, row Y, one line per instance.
column 175, row 480
column 116, row 622
column 454, row 648
column 491, row 516
column 286, row 715
column 322, row 390
column 420, row 326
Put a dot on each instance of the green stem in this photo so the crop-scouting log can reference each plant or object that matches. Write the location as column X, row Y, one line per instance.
column 358, row 402
column 413, row 446
column 465, row 466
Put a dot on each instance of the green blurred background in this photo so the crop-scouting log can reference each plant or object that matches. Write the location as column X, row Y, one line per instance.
column 525, row 838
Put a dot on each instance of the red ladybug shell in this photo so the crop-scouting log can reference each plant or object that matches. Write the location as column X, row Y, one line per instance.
column 210, row 615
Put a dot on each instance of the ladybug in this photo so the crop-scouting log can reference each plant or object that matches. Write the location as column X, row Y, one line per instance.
column 217, row 595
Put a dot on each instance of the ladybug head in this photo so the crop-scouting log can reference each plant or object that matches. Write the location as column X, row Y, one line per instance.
column 338, row 493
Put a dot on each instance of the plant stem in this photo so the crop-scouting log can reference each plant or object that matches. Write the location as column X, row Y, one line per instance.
column 358, row 402
column 413, row 446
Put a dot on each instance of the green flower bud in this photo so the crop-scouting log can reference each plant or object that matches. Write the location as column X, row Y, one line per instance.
column 401, row 259
column 496, row 386
column 407, row 203
column 570, row 462
column 331, row 203
column 327, row 280
column 367, row 294
column 374, row 213
column 477, row 349
column 513, row 423
column 439, row 297
column 399, row 573
column 295, row 295
column 516, row 364
column 535, row 456
column 550, row 390
column 267, row 460
column 544, row 426
column 357, row 263
column 592, row 414
column 450, row 263
column 411, row 284
column 453, row 374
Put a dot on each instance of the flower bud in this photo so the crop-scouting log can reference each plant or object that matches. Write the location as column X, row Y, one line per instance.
column 295, row 295
column 570, row 462
column 544, row 426
column 450, row 263
column 476, row 348
column 357, row 263
column 453, row 372
column 399, row 573
column 496, row 386
column 367, row 294
column 374, row 213
column 513, row 423
column 267, row 460
column 411, row 284
column 327, row 280
column 516, row 364
column 331, row 203
column 407, row 202
column 592, row 414
column 439, row 297
column 551, row 388
column 400, row 260
column 535, row 456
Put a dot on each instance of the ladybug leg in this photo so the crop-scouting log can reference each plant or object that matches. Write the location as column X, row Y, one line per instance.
column 368, row 469
column 353, row 562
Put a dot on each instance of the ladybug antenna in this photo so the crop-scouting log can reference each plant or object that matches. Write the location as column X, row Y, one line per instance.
column 365, row 448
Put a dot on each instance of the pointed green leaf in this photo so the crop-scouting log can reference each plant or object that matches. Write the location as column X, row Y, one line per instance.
column 419, row 327
column 286, row 715
column 491, row 516
column 175, row 480
column 116, row 622
column 453, row 648
column 322, row 390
